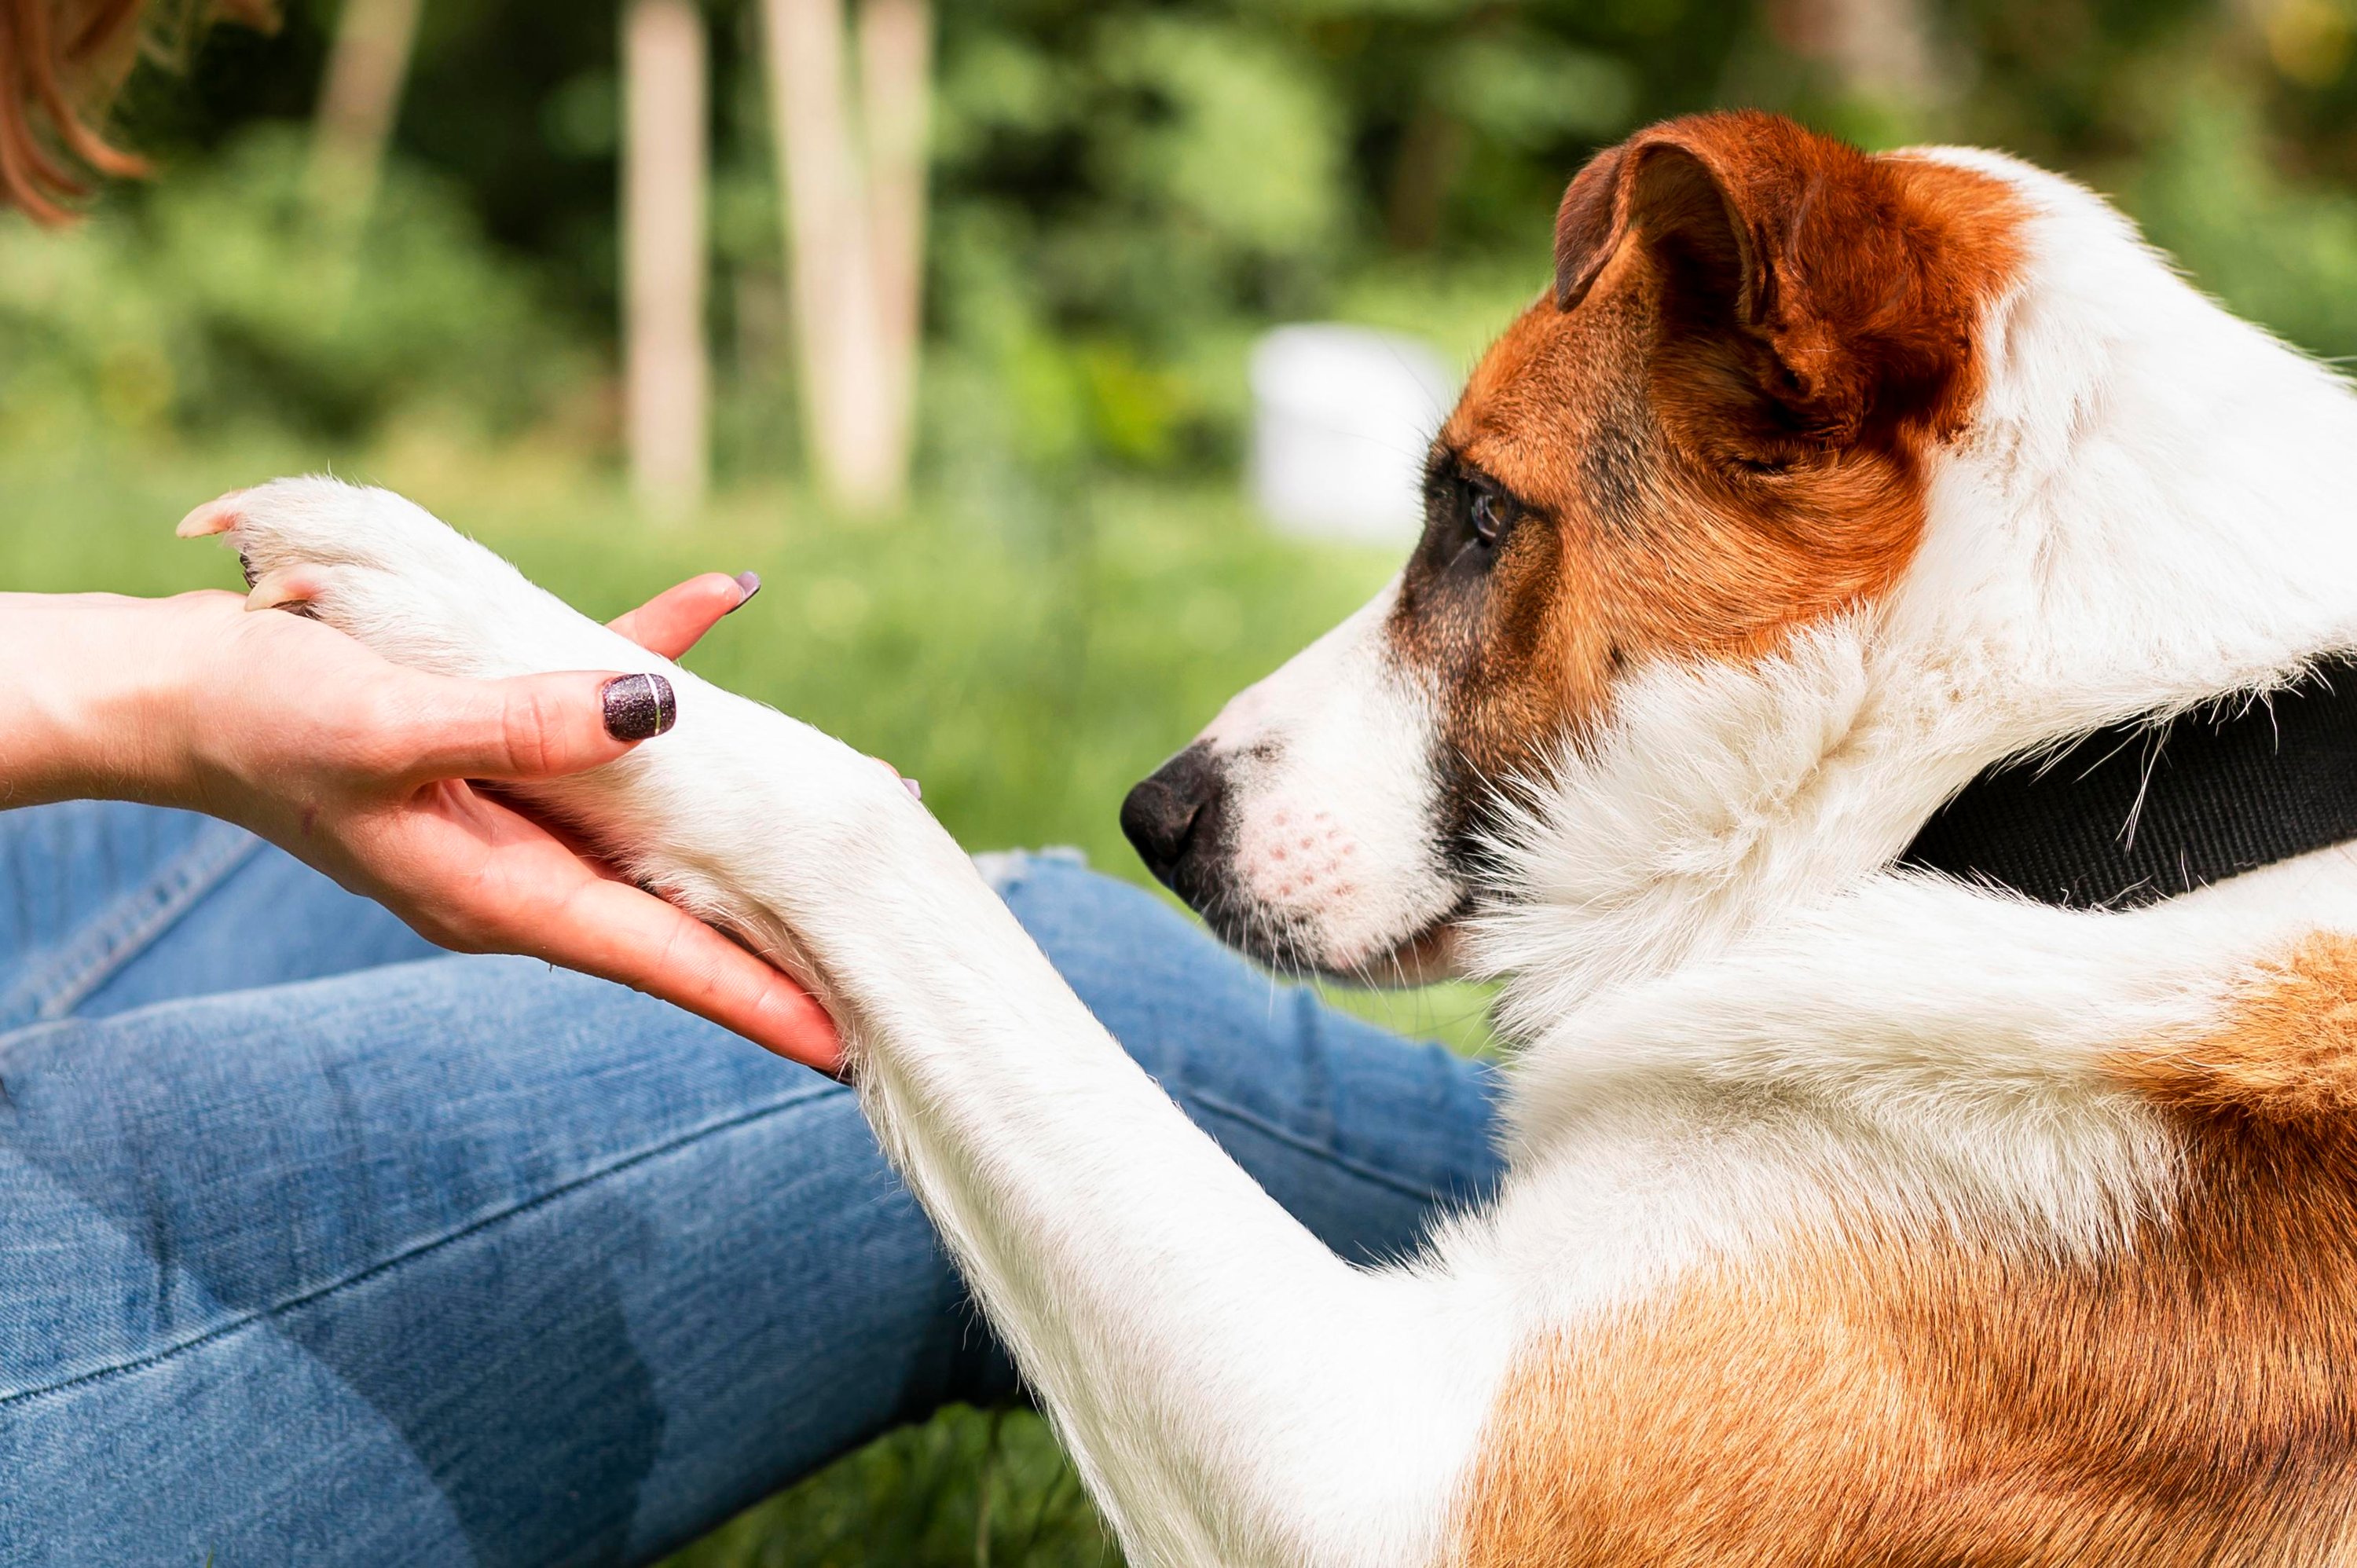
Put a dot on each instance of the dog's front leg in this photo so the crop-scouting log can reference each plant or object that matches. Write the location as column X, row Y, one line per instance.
column 1232, row 1392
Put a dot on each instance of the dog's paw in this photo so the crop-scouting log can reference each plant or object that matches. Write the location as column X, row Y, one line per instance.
column 314, row 542
column 386, row 571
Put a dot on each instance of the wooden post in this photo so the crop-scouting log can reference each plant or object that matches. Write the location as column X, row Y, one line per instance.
column 368, row 65
column 664, row 163
column 895, row 47
column 854, row 234
column 1881, row 49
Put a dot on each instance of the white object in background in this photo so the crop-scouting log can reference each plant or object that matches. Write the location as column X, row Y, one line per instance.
column 1341, row 416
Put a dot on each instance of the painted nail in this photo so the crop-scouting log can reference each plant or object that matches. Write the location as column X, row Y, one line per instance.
column 638, row 707
column 751, row 582
column 913, row 788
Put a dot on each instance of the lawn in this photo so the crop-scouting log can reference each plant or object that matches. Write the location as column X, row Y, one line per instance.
column 1026, row 655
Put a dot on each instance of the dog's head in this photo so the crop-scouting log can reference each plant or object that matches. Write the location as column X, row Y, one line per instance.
column 1710, row 434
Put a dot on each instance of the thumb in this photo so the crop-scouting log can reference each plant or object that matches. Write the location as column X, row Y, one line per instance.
column 537, row 726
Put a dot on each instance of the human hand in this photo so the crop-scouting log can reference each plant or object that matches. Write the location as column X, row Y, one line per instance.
column 374, row 773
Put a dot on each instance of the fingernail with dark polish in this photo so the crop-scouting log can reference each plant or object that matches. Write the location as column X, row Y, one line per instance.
column 751, row 582
column 639, row 707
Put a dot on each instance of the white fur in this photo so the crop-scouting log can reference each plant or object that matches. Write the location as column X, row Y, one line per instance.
column 1329, row 768
column 1733, row 1020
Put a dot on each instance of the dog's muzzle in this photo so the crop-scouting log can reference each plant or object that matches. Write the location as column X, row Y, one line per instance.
column 1173, row 819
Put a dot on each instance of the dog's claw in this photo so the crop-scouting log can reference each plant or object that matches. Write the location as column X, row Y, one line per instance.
column 216, row 516
column 277, row 590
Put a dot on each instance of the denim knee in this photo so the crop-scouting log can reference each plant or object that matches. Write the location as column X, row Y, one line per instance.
column 1363, row 1135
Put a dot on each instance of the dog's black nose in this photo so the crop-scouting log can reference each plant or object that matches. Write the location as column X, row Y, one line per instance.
column 1166, row 813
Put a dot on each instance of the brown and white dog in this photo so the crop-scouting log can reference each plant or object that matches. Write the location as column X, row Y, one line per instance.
column 1855, row 1216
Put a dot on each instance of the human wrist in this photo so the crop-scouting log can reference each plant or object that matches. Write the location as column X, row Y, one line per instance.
column 96, row 699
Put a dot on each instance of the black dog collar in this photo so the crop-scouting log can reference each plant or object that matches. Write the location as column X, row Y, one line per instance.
column 2139, row 812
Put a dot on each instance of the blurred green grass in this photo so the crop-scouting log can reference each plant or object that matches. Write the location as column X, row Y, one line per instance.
column 968, row 1489
column 1027, row 657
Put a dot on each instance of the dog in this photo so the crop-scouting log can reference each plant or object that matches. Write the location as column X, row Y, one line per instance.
column 1863, row 1208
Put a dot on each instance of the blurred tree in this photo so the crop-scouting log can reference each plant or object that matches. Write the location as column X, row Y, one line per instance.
column 896, row 64
column 357, row 105
column 666, row 375
column 855, row 184
column 1881, row 50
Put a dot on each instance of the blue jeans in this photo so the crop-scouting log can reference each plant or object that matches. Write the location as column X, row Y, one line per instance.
column 319, row 1246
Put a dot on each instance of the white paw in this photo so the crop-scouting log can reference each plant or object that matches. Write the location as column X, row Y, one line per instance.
column 389, row 573
column 677, row 813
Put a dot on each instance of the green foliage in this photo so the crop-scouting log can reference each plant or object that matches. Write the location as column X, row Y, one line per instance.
column 2269, row 248
column 1243, row 148
column 229, row 297
column 1124, row 192
column 1127, row 192
column 1527, row 91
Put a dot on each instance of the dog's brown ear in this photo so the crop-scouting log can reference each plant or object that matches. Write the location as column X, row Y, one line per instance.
column 1792, row 268
column 1704, row 184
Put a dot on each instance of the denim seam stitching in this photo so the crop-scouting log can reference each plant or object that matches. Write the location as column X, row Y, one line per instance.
column 139, row 917
column 320, row 1293
column 1218, row 1106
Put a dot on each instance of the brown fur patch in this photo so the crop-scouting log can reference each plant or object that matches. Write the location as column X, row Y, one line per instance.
column 2288, row 1052
column 1872, row 1397
column 1699, row 464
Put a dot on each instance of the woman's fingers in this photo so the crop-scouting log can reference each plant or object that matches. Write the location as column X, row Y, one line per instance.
column 542, row 726
column 473, row 873
column 613, row 929
column 672, row 622
column 532, row 727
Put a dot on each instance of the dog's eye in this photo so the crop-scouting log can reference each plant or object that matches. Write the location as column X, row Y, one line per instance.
column 1491, row 514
